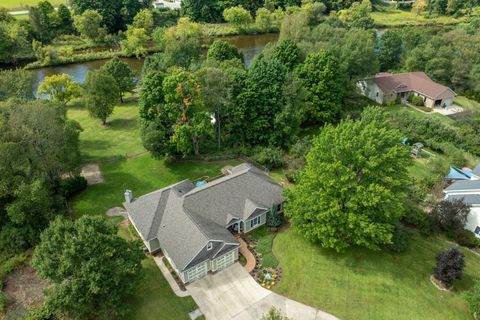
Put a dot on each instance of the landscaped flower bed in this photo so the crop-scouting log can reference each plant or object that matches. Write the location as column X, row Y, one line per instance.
column 267, row 277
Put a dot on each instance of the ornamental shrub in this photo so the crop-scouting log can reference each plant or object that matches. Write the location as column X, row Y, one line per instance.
column 417, row 101
column 450, row 265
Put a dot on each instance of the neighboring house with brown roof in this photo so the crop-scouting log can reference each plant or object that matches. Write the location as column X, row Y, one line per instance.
column 192, row 224
column 387, row 87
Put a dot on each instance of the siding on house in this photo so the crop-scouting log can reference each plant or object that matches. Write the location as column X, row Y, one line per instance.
column 248, row 223
column 473, row 221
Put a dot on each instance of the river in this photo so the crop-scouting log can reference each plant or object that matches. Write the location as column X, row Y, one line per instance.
column 249, row 45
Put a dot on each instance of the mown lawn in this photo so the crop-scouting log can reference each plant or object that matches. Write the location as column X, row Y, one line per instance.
column 120, row 138
column 361, row 284
column 140, row 174
column 154, row 298
column 22, row 4
column 125, row 164
column 264, row 246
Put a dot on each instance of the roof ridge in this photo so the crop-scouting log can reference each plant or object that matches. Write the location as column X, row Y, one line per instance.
column 156, row 224
column 217, row 182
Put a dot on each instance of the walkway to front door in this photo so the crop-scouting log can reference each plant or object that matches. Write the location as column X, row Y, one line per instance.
column 233, row 294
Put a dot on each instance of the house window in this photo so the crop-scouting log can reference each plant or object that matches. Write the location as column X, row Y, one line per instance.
column 209, row 246
column 255, row 222
column 477, row 230
column 377, row 94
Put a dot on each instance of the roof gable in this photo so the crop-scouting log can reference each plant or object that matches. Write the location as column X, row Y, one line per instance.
column 184, row 218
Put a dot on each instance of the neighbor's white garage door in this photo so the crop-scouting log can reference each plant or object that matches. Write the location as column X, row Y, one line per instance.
column 225, row 260
column 197, row 272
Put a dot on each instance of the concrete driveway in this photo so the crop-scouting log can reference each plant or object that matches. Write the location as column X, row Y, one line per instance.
column 233, row 294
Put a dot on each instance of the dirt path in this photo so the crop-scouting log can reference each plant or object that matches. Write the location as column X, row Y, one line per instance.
column 91, row 172
column 24, row 289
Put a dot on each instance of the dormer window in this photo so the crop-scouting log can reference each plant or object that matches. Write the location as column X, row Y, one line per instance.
column 209, row 246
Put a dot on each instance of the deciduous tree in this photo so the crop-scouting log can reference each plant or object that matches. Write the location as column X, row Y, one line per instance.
column 89, row 25
column 16, row 83
column 116, row 15
column 390, row 50
column 123, row 75
column 101, row 94
column 450, row 215
column 324, row 85
column 353, row 187
column 93, row 269
column 60, row 87
column 222, row 50
column 37, row 146
column 237, row 16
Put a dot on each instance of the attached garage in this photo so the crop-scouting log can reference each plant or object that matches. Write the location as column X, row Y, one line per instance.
column 224, row 260
column 196, row 272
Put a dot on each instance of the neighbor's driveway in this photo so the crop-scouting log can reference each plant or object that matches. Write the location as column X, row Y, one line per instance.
column 233, row 294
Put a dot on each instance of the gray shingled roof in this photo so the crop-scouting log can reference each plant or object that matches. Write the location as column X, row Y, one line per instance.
column 229, row 195
column 471, row 199
column 464, row 185
column 185, row 218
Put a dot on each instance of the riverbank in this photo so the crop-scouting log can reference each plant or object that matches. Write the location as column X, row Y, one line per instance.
column 249, row 45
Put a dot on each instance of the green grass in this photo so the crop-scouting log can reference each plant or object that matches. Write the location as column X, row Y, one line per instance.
column 120, row 138
column 361, row 284
column 417, row 114
column 468, row 104
column 22, row 4
column 22, row 16
column 125, row 164
column 387, row 15
column 155, row 299
column 141, row 174
column 264, row 246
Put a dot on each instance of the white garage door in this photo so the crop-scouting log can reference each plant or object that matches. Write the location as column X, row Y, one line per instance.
column 224, row 261
column 197, row 272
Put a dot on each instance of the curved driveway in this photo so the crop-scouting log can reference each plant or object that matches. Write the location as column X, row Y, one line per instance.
column 233, row 294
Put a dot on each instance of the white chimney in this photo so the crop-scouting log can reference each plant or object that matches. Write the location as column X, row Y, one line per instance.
column 128, row 196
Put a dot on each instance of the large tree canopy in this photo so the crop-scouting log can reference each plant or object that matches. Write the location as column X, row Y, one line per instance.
column 116, row 13
column 323, row 82
column 354, row 185
column 37, row 145
column 93, row 268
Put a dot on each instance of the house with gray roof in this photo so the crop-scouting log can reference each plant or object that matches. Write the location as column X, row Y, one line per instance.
column 469, row 192
column 193, row 224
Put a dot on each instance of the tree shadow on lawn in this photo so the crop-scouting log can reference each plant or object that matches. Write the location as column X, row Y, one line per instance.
column 94, row 144
column 123, row 124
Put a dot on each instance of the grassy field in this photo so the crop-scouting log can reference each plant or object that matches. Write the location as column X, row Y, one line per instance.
column 22, row 4
column 140, row 174
column 361, row 284
column 124, row 162
column 124, row 165
column 120, row 138
column 388, row 16
column 468, row 104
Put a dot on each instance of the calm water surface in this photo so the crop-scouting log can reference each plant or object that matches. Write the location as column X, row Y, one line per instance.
column 249, row 45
